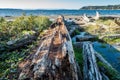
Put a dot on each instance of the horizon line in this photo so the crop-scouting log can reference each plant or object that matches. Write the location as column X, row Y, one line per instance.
column 54, row 8
column 41, row 8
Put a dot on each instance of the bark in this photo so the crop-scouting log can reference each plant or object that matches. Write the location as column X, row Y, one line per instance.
column 78, row 44
column 86, row 38
column 72, row 30
column 54, row 59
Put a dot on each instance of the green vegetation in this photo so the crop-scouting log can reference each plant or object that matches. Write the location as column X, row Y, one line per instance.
column 9, row 62
column 92, row 29
column 101, row 7
column 110, row 72
column 108, row 22
column 111, row 40
column 28, row 23
column 79, row 56
column 101, row 28
column 76, row 32
column 104, row 27
column 14, row 31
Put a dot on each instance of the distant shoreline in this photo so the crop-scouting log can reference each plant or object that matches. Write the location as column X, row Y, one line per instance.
column 99, row 9
column 107, row 7
column 52, row 9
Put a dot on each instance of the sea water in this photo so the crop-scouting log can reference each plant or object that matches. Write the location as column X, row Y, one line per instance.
column 19, row 12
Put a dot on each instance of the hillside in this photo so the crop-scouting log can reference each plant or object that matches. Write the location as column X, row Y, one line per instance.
column 102, row 7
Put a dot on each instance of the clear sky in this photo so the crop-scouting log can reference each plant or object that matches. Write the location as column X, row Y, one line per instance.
column 54, row 4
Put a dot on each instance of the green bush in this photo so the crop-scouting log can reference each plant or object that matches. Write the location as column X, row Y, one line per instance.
column 15, row 30
column 28, row 23
column 42, row 23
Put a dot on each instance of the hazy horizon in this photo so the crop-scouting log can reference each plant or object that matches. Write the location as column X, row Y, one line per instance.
column 54, row 4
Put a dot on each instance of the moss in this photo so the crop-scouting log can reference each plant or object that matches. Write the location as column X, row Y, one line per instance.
column 79, row 56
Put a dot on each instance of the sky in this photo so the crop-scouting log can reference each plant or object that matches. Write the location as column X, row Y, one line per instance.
column 54, row 4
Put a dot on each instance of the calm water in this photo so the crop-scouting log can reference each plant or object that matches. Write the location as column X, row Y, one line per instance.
column 111, row 54
column 18, row 12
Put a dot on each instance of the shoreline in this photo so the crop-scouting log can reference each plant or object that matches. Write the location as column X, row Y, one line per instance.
column 10, row 18
column 56, row 12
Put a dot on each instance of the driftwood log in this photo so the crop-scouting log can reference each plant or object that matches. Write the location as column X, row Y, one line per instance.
column 19, row 44
column 100, row 58
column 54, row 59
column 86, row 38
column 22, row 43
column 97, row 55
column 90, row 69
column 111, row 36
column 72, row 30
column 117, row 21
